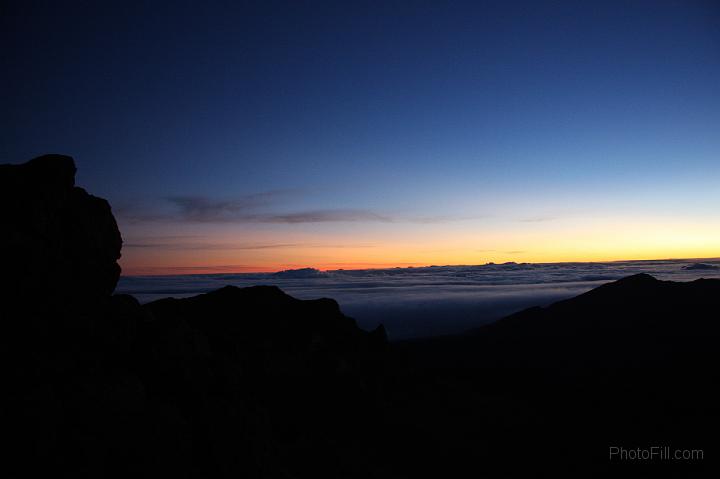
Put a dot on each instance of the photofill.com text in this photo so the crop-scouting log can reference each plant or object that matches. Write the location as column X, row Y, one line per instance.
column 655, row 453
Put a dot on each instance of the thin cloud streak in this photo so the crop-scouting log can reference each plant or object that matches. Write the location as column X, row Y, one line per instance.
column 254, row 209
column 537, row 219
column 230, row 246
column 209, row 246
column 181, row 270
column 319, row 216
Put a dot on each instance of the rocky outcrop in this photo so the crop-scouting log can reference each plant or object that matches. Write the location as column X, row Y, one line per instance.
column 57, row 240
column 234, row 383
column 267, row 331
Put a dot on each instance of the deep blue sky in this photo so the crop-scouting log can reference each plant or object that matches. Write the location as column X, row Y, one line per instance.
column 286, row 125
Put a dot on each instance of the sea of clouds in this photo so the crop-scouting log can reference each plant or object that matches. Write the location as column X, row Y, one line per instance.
column 417, row 302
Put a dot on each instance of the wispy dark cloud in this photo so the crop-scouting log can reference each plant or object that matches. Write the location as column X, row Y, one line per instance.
column 181, row 270
column 319, row 216
column 537, row 219
column 203, row 209
column 261, row 208
column 186, row 243
column 440, row 219
column 208, row 246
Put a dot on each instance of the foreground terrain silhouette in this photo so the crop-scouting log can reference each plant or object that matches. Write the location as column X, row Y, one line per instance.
column 254, row 383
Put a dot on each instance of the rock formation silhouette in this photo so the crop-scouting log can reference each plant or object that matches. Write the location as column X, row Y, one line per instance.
column 57, row 238
column 247, row 382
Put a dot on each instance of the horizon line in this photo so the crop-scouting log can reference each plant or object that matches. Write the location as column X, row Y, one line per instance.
column 238, row 269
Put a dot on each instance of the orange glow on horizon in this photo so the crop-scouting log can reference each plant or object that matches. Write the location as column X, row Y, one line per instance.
column 220, row 269
column 577, row 240
column 239, row 269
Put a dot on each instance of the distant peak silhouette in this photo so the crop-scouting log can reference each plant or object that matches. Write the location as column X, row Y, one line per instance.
column 640, row 278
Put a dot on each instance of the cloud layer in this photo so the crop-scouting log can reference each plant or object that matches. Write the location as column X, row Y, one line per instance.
column 414, row 302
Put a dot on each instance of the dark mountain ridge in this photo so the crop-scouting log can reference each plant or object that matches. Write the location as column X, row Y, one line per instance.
column 635, row 321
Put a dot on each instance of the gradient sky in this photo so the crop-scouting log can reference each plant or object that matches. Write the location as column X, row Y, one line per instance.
column 247, row 136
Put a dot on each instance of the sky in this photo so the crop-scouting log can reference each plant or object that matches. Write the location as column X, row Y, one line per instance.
column 262, row 136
